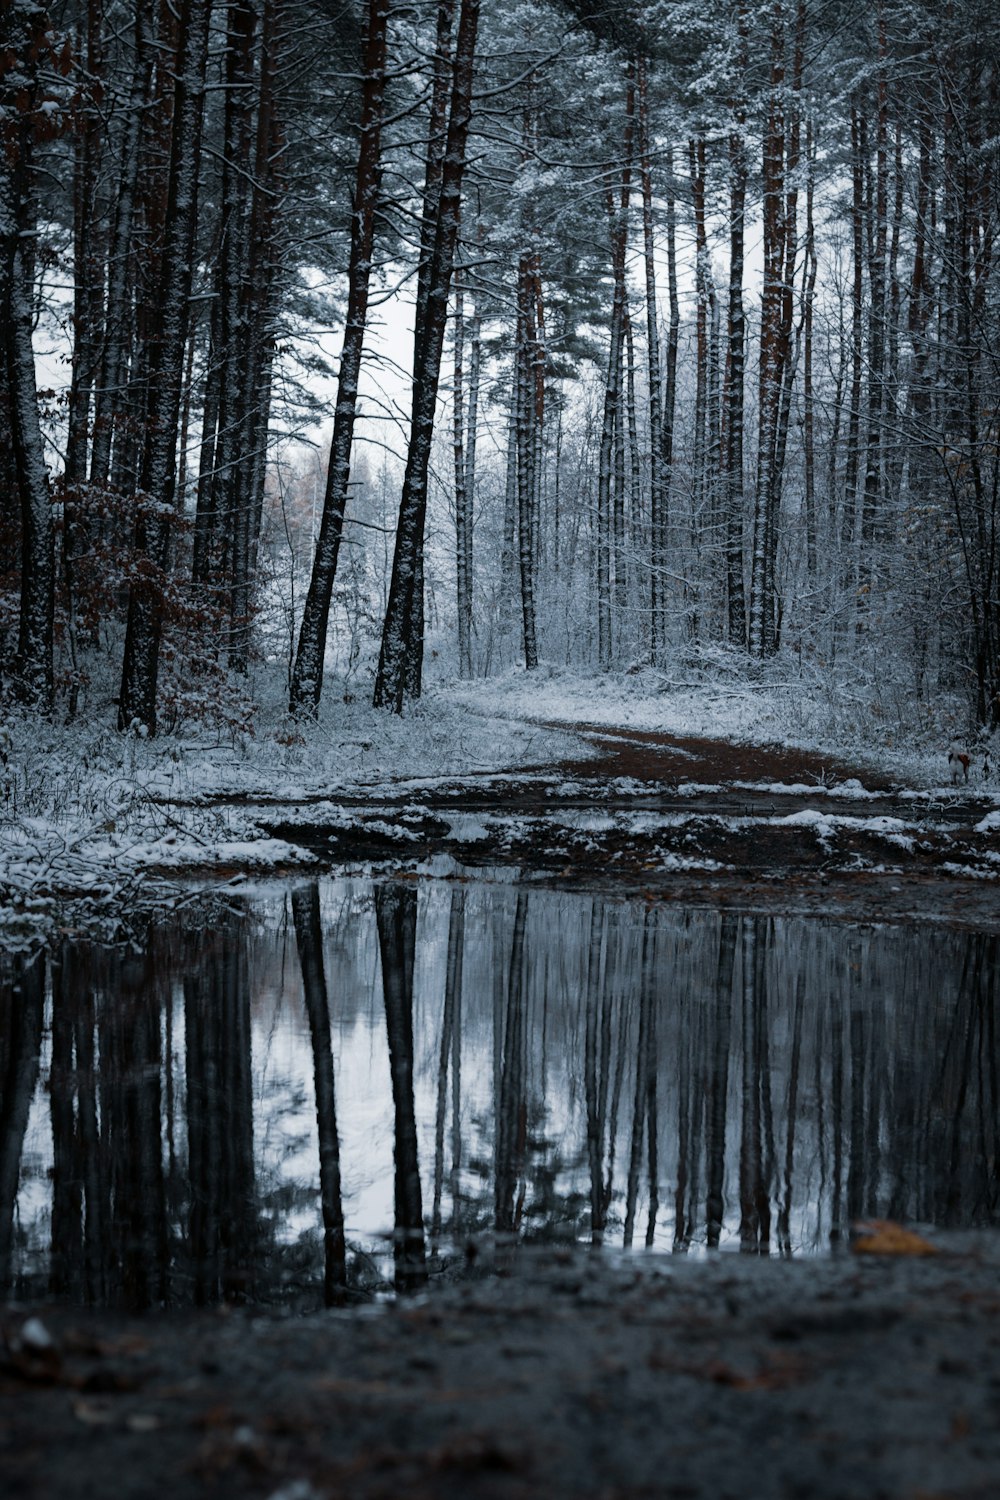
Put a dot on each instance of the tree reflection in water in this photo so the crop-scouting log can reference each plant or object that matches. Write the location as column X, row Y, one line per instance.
column 396, row 916
column 309, row 937
column 203, row 1120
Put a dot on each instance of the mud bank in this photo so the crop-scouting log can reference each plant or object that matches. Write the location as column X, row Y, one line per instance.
column 756, row 828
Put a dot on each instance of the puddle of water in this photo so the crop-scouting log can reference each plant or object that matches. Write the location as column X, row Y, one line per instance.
column 349, row 1084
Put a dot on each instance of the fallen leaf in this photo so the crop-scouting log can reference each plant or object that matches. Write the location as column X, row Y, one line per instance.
column 884, row 1237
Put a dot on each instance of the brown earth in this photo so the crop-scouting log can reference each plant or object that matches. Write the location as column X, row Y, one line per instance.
column 650, row 755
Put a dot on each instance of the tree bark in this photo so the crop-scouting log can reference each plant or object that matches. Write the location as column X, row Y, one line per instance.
column 736, row 351
column 773, row 354
column 140, row 668
column 618, row 216
column 399, row 669
column 654, row 377
column 307, row 673
column 463, row 580
column 23, row 41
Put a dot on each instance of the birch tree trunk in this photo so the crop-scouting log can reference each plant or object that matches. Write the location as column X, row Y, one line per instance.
column 878, row 221
column 526, row 457
column 848, row 522
column 669, row 373
column 809, row 272
column 463, row 580
column 465, row 545
column 657, row 496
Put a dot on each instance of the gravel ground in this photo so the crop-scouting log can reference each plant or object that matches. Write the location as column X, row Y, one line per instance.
column 575, row 1374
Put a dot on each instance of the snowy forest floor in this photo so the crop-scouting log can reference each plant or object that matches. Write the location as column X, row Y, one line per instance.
column 756, row 796
column 577, row 1374
column 574, row 1374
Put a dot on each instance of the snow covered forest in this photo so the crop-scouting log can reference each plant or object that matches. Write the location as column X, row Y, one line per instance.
column 653, row 336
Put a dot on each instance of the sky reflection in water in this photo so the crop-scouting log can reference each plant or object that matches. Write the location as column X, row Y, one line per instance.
column 252, row 1105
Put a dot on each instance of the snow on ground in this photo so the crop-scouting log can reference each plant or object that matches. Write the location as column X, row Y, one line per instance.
column 84, row 810
column 646, row 700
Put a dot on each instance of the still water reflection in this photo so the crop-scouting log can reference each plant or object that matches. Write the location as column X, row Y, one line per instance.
column 341, row 1086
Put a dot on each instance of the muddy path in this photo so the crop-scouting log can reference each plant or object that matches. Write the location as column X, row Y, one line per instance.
column 672, row 818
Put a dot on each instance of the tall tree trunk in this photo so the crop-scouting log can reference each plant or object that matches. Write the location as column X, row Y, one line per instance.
column 919, row 398
column 773, row 353
column 618, row 215
column 657, row 495
column 307, row 673
column 619, row 552
column 469, row 477
column 790, row 348
column 109, row 395
column 401, row 655
column 258, row 344
column 634, row 507
column 670, row 366
column 878, row 211
column 140, row 667
column 23, row 43
column 809, row 273
column 849, row 514
column 526, row 456
column 736, row 352
column 463, row 581
column 703, row 277
column 89, row 260
column 229, row 458
column 507, row 579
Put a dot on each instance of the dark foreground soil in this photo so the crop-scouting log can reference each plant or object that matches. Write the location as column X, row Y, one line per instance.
column 857, row 1376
